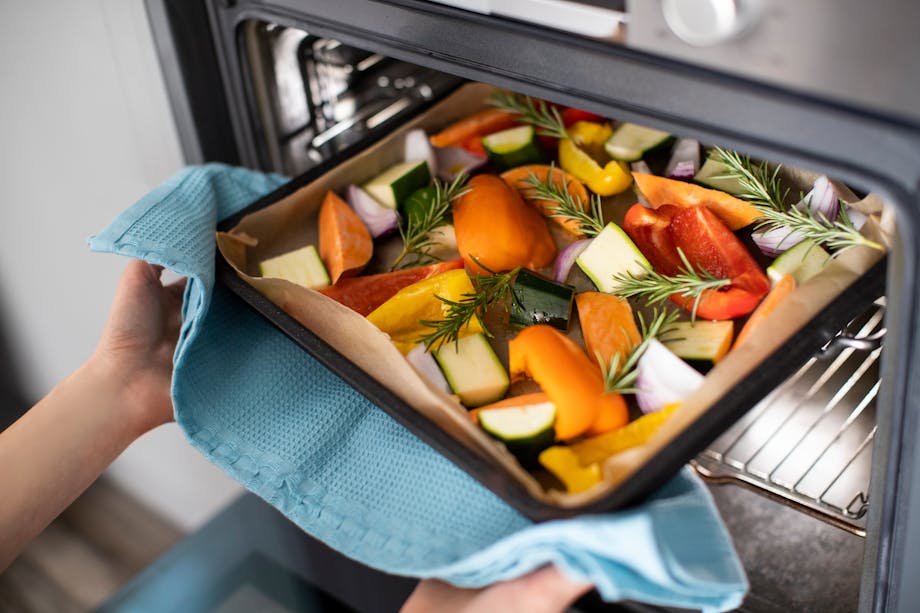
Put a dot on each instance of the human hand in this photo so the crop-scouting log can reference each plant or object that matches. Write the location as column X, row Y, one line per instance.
column 136, row 347
column 546, row 590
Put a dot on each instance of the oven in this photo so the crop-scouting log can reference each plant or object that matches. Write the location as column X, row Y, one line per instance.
column 819, row 482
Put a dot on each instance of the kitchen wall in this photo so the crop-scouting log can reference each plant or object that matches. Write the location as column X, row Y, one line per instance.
column 85, row 130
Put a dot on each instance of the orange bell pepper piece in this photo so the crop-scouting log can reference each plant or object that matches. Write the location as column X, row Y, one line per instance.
column 569, row 377
column 495, row 227
column 735, row 213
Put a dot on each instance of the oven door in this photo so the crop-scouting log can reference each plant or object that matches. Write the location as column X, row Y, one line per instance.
column 648, row 77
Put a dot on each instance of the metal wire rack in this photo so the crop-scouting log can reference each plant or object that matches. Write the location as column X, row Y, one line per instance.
column 809, row 443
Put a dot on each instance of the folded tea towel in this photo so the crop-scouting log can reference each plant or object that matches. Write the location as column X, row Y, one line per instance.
column 273, row 418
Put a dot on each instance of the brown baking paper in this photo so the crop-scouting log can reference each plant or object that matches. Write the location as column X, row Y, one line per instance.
column 291, row 223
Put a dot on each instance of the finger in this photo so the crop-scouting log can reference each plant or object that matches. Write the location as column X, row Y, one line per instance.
column 543, row 591
column 177, row 288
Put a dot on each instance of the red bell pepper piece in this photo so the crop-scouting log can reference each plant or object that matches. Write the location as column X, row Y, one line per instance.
column 708, row 245
column 571, row 115
column 364, row 294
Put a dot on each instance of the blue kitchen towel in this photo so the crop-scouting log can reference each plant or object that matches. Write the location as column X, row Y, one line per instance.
column 273, row 418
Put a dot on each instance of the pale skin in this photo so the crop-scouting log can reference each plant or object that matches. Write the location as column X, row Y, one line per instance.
column 64, row 443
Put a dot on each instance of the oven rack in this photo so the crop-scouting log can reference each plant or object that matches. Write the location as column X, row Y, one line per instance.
column 809, row 443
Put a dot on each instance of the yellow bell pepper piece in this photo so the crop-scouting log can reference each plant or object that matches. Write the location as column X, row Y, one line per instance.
column 564, row 464
column 598, row 448
column 400, row 315
column 578, row 466
column 579, row 153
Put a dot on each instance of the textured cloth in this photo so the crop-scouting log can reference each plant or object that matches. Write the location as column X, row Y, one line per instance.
column 273, row 418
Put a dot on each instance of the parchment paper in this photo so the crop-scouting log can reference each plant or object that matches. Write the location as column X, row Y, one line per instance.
column 291, row 223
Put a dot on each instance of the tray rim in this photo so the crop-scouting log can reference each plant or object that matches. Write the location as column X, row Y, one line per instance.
column 657, row 471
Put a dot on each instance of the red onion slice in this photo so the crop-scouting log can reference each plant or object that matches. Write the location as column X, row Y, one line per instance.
column 428, row 368
column 822, row 201
column 685, row 160
column 775, row 241
column 566, row 258
column 417, row 147
column 451, row 161
column 379, row 219
column 663, row 378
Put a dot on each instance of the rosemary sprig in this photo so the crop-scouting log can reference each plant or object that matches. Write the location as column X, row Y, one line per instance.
column 620, row 380
column 544, row 117
column 490, row 290
column 656, row 287
column 416, row 235
column 762, row 188
column 838, row 235
column 590, row 221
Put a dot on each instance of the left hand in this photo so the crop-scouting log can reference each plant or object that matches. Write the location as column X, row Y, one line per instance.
column 137, row 344
column 545, row 590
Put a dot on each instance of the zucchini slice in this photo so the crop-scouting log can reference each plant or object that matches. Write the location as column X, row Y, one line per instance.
column 525, row 430
column 803, row 261
column 473, row 371
column 700, row 341
column 396, row 184
column 712, row 174
column 301, row 266
column 630, row 142
column 537, row 300
column 610, row 253
column 513, row 147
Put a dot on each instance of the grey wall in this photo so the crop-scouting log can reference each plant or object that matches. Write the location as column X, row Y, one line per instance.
column 85, row 130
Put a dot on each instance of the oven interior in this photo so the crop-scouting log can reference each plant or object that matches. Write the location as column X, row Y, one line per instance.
column 791, row 478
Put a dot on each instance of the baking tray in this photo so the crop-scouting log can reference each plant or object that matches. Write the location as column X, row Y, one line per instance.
column 654, row 473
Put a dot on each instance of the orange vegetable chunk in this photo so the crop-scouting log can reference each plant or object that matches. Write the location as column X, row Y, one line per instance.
column 517, row 178
column 733, row 212
column 345, row 245
column 607, row 325
column 481, row 123
column 778, row 293
column 495, row 226
column 569, row 377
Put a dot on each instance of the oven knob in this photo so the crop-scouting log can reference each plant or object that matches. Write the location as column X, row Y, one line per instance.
column 709, row 22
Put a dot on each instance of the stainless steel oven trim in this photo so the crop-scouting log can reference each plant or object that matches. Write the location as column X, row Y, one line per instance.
column 859, row 146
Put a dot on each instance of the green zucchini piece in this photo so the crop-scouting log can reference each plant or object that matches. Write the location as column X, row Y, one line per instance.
column 610, row 253
column 525, row 430
column 700, row 340
column 301, row 266
column 396, row 184
column 712, row 174
column 473, row 371
column 803, row 261
column 630, row 142
column 538, row 300
column 513, row 147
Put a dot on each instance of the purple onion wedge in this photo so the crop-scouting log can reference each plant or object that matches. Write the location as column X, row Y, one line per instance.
column 451, row 161
column 663, row 378
column 379, row 219
column 566, row 258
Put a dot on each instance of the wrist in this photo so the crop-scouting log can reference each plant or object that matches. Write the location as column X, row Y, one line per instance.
column 121, row 387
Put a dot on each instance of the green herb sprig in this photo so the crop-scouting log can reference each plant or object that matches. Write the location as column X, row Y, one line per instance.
column 417, row 232
column 763, row 189
column 621, row 379
column 490, row 289
column 655, row 287
column 544, row 117
column 590, row 220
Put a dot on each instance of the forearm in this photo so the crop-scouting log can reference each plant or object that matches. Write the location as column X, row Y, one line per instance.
column 57, row 449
